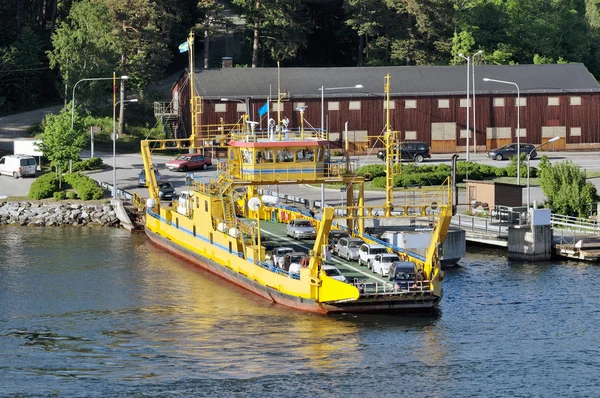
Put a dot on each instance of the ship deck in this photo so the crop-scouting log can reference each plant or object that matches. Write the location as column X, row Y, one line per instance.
column 275, row 235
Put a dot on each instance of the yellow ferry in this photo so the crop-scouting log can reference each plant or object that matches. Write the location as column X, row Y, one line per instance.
column 222, row 225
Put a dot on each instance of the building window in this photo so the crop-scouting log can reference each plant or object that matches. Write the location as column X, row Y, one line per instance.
column 241, row 108
column 523, row 102
column 299, row 105
column 463, row 102
column 410, row 135
column 498, row 101
column 463, row 134
column 410, row 104
column 553, row 101
column 333, row 106
column 575, row 131
column 443, row 103
column 575, row 101
column 354, row 105
column 274, row 106
column 392, row 104
column 220, row 107
column 522, row 132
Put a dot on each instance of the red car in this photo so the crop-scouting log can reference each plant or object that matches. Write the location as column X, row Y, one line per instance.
column 189, row 162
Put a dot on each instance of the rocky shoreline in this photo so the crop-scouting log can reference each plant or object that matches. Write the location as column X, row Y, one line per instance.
column 45, row 214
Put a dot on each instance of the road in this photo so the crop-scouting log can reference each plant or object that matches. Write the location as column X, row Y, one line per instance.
column 129, row 166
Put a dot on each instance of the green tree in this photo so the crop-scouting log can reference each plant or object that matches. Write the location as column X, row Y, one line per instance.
column 566, row 188
column 60, row 143
column 84, row 46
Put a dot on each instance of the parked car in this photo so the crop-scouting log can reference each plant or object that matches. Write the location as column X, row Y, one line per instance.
column 367, row 252
column 417, row 151
column 278, row 253
column 510, row 150
column 291, row 259
column 142, row 177
column 383, row 262
column 403, row 274
column 301, row 229
column 166, row 191
column 332, row 272
column 189, row 162
column 18, row 166
column 348, row 248
column 334, row 236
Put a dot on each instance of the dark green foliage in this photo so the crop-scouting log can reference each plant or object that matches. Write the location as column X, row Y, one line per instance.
column 88, row 164
column 375, row 170
column 59, row 195
column 43, row 187
column 566, row 187
column 86, row 188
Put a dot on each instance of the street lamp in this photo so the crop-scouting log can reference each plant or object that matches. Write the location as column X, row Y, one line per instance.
column 301, row 109
column 322, row 89
column 114, row 139
column 485, row 79
column 83, row 80
column 238, row 100
column 468, row 59
column 529, row 165
column 474, row 102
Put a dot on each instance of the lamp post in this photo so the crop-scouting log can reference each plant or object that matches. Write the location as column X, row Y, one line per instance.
column 114, row 140
column 474, row 102
column 84, row 80
column 485, row 79
column 301, row 109
column 322, row 89
column 529, row 165
column 239, row 100
column 468, row 59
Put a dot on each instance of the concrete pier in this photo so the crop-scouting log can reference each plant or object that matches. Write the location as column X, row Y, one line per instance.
column 532, row 242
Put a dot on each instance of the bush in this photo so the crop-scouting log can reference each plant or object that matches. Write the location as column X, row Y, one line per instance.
column 71, row 195
column 59, row 195
column 88, row 164
column 374, row 170
column 86, row 188
column 43, row 187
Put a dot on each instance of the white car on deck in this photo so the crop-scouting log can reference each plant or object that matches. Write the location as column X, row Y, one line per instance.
column 278, row 253
column 383, row 262
column 367, row 253
column 332, row 272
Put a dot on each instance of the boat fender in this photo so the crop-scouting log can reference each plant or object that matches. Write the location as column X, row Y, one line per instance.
column 150, row 203
column 234, row 232
column 315, row 282
column 221, row 227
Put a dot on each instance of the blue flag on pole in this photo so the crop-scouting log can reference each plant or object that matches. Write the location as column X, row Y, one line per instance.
column 264, row 109
column 183, row 47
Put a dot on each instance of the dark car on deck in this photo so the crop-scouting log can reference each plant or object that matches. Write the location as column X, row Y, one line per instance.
column 510, row 150
column 166, row 191
column 415, row 151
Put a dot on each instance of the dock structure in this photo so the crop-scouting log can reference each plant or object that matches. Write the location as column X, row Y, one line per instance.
column 570, row 237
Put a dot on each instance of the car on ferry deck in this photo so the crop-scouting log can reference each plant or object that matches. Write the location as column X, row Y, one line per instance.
column 383, row 262
column 332, row 272
column 334, row 236
column 348, row 248
column 367, row 253
column 292, row 259
column 278, row 253
column 301, row 229
column 403, row 274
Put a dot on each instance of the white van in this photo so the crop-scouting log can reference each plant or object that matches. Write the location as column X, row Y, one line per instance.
column 18, row 165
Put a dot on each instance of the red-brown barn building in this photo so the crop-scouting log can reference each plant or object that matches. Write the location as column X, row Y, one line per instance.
column 428, row 103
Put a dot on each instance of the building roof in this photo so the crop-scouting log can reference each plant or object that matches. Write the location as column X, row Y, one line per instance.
column 405, row 80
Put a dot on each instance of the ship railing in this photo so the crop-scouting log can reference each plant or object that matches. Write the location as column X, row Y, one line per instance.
column 392, row 288
column 273, row 268
column 266, row 135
